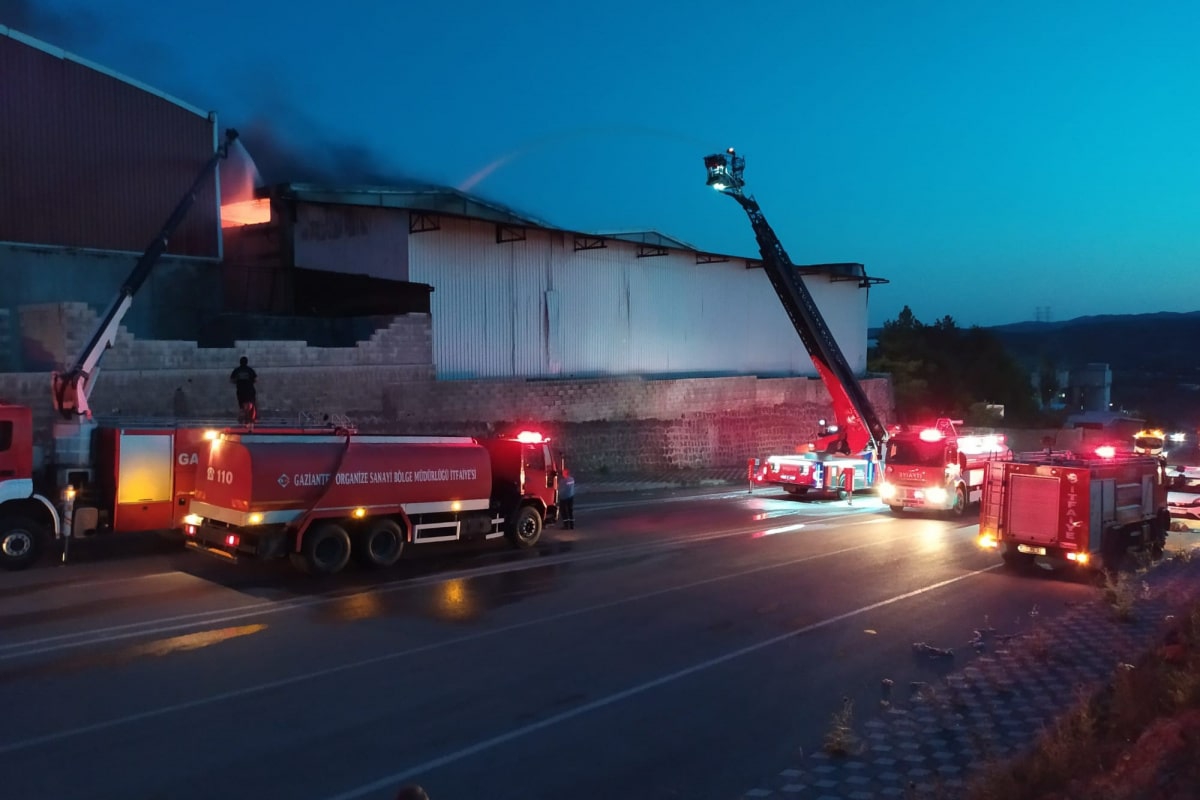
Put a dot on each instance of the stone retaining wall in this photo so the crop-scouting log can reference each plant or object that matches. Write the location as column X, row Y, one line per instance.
column 387, row 384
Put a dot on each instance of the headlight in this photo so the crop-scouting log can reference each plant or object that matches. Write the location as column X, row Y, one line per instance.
column 936, row 495
column 886, row 490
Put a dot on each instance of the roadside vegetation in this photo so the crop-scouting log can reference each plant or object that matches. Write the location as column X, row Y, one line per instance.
column 940, row 369
column 1137, row 737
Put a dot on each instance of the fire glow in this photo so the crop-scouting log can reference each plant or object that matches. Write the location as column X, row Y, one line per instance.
column 246, row 212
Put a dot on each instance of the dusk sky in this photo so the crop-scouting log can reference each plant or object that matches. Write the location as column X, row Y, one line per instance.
column 987, row 159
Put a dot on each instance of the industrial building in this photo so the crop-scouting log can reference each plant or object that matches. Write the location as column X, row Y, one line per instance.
column 516, row 297
column 91, row 164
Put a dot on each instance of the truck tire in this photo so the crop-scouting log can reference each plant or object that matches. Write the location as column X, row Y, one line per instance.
column 380, row 544
column 526, row 529
column 960, row 503
column 325, row 550
column 21, row 541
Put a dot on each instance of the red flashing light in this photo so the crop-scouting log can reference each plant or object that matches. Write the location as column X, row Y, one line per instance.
column 1106, row 451
column 530, row 437
column 232, row 540
column 931, row 435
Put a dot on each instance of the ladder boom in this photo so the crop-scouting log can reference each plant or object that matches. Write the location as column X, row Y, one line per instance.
column 851, row 405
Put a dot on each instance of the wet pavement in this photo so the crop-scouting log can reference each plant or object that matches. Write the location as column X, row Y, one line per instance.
column 678, row 643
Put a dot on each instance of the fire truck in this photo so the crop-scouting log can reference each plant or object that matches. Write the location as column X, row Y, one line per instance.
column 1058, row 508
column 854, row 444
column 97, row 479
column 938, row 467
column 322, row 499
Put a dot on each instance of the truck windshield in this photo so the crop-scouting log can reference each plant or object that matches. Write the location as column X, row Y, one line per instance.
column 916, row 453
column 1148, row 443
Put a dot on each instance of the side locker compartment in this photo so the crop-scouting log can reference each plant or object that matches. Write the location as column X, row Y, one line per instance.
column 144, row 472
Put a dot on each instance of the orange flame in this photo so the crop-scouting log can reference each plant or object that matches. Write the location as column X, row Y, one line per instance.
column 246, row 212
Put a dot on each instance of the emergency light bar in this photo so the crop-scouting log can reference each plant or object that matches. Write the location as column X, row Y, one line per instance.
column 990, row 443
column 531, row 437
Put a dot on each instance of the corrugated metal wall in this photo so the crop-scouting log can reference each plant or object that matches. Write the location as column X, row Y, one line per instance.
column 538, row 308
column 88, row 160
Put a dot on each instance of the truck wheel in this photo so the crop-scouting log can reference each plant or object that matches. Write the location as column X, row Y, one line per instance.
column 381, row 544
column 1114, row 545
column 960, row 503
column 326, row 549
column 527, row 528
column 897, row 509
column 21, row 541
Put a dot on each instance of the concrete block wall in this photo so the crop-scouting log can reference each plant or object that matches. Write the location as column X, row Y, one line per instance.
column 387, row 383
column 629, row 424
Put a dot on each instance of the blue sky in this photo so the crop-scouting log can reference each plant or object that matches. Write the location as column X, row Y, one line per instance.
column 986, row 158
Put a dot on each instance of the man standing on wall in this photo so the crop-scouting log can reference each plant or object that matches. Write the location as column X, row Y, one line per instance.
column 244, row 378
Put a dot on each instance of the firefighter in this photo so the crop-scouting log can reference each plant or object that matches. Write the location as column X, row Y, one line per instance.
column 839, row 446
column 566, row 498
column 243, row 378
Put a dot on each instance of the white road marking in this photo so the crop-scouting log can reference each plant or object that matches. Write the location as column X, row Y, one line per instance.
column 49, row 738
column 162, row 625
column 390, row 781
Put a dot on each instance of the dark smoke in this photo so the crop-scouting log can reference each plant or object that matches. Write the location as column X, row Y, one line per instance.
column 286, row 153
column 77, row 31
column 284, row 142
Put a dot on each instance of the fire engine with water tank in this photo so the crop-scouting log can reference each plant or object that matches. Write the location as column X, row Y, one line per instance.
column 1058, row 508
column 854, row 445
column 938, row 466
column 97, row 478
column 321, row 499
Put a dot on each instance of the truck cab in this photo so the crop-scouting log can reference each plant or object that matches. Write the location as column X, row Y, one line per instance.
column 525, row 470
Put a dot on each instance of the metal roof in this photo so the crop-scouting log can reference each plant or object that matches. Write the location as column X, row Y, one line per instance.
column 445, row 200
column 648, row 237
column 58, row 52
column 417, row 198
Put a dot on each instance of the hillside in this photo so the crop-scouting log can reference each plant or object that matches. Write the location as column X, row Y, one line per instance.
column 1154, row 358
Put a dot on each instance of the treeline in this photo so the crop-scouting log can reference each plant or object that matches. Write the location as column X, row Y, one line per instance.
column 940, row 369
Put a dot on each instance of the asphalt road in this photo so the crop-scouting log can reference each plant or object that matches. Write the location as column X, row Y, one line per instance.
column 674, row 645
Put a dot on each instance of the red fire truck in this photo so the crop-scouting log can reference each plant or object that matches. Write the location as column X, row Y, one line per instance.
column 320, row 499
column 854, row 445
column 938, row 467
column 97, row 478
column 1058, row 508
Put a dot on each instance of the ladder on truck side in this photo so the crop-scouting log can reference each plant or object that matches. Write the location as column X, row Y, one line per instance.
column 992, row 507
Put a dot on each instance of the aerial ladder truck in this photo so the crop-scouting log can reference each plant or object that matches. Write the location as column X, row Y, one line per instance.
column 857, row 441
column 99, row 478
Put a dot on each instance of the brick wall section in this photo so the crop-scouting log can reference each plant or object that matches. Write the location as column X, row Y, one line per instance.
column 387, row 384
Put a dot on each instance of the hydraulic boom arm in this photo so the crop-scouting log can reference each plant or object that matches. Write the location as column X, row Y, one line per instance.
column 853, row 409
column 73, row 387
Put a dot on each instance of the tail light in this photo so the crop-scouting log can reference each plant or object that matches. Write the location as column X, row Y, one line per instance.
column 232, row 540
